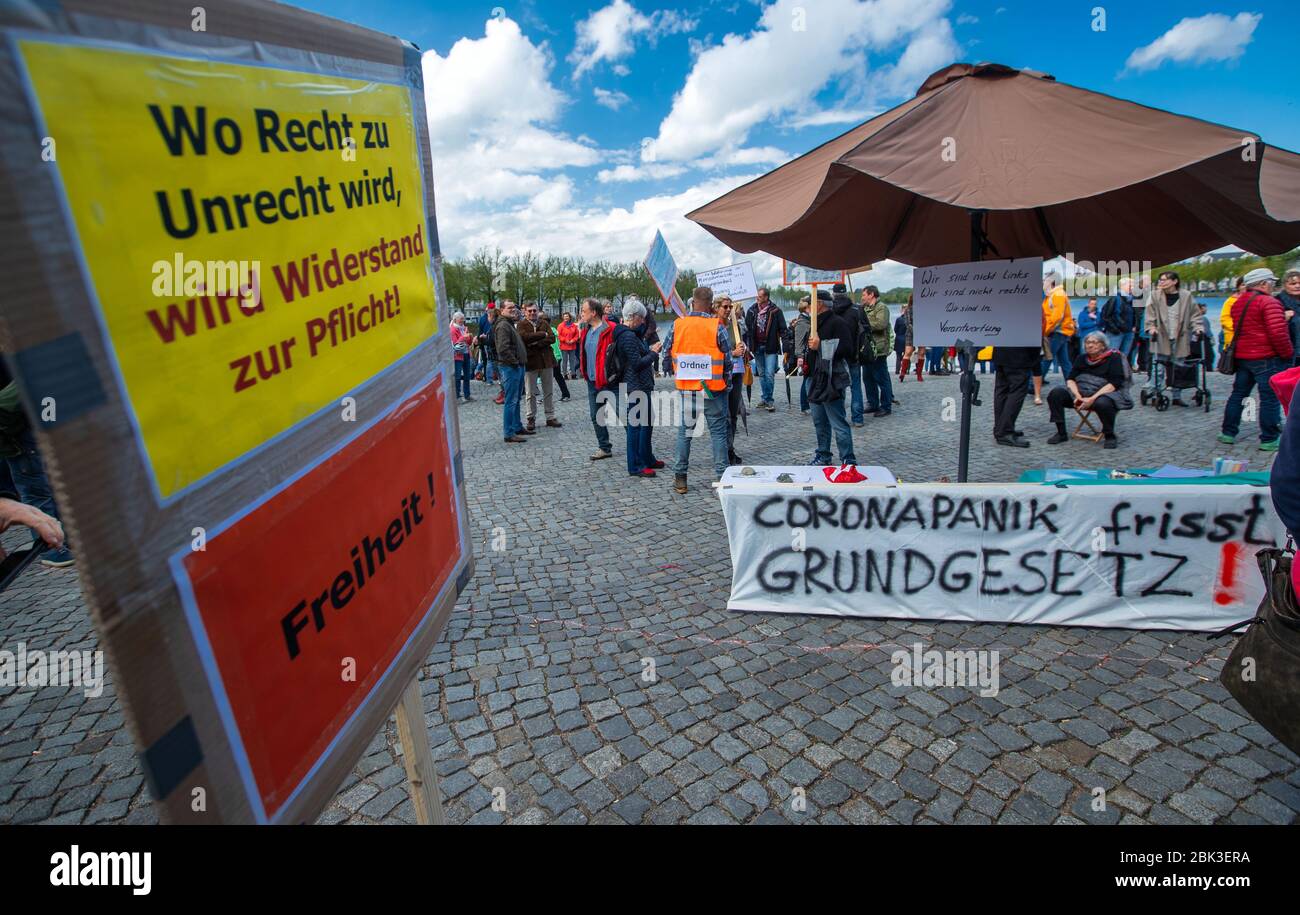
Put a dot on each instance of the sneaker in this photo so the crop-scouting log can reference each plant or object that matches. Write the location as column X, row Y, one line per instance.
column 601, row 455
column 859, row 424
column 499, row 399
column 644, row 472
column 1227, row 439
column 62, row 557
column 657, row 465
column 1270, row 446
column 679, row 483
column 564, row 398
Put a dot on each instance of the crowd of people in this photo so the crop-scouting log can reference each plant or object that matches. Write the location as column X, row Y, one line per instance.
column 719, row 348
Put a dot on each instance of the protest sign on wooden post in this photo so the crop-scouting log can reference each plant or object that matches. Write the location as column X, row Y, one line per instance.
column 793, row 274
column 978, row 304
column 229, row 287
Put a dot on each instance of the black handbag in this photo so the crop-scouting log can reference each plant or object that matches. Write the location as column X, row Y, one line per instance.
column 1228, row 358
column 1263, row 670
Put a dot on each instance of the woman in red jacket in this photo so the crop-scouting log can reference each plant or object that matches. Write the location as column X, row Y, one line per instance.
column 1262, row 347
column 568, row 332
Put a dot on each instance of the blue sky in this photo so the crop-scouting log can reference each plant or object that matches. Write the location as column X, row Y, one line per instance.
column 578, row 128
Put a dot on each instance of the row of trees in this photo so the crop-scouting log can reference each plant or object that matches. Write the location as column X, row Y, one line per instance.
column 560, row 283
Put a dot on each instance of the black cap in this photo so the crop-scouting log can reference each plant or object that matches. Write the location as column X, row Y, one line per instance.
column 823, row 295
column 838, row 287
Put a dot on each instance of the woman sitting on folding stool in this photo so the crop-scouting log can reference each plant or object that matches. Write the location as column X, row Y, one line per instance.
column 1098, row 382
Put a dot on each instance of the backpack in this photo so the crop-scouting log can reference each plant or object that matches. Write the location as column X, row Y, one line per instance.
column 866, row 343
column 615, row 361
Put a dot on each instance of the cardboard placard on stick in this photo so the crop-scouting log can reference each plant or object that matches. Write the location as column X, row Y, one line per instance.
column 229, row 286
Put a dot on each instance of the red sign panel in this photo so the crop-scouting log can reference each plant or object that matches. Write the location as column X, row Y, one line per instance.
column 301, row 604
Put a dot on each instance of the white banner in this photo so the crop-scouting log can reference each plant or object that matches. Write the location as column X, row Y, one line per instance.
column 735, row 281
column 1138, row 557
column 979, row 304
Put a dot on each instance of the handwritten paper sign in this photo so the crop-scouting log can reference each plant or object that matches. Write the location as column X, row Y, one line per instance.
column 735, row 281
column 982, row 303
column 793, row 274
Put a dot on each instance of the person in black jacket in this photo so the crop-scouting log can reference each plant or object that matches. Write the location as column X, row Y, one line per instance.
column 1105, row 396
column 843, row 306
column 764, row 325
column 1013, row 366
column 827, row 379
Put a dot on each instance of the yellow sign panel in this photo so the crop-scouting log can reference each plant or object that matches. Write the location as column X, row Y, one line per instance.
column 255, row 238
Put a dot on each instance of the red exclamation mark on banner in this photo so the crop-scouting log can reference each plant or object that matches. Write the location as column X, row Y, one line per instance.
column 1225, row 592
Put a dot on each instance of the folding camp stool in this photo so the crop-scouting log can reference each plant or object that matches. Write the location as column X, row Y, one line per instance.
column 1085, row 421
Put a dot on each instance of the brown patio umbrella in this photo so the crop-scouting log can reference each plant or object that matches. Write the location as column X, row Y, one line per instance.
column 986, row 158
column 1059, row 170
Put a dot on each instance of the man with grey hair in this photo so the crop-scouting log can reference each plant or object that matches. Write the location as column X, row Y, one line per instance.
column 1117, row 318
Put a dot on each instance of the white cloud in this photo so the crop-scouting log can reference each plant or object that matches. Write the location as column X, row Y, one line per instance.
column 648, row 172
column 738, row 84
column 611, row 99
column 617, row 233
column 609, row 34
column 1198, row 40
column 832, row 116
column 745, row 155
column 489, row 102
column 925, row 54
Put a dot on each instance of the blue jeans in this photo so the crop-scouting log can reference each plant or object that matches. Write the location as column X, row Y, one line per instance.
column 828, row 417
column 855, row 392
column 1250, row 373
column 715, row 416
column 491, row 371
column 637, row 423
column 1121, row 343
column 462, row 377
column 934, row 358
column 879, row 386
column 28, row 475
column 602, row 431
column 765, row 366
column 512, row 380
column 1060, row 344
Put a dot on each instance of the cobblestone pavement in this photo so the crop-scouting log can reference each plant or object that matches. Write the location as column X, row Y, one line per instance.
column 537, row 688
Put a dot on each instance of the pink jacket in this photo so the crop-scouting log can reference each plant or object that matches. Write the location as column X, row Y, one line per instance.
column 461, row 335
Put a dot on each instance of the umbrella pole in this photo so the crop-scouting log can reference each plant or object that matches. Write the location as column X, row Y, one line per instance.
column 968, row 371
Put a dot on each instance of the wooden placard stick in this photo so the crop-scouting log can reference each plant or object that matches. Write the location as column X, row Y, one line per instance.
column 417, row 755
